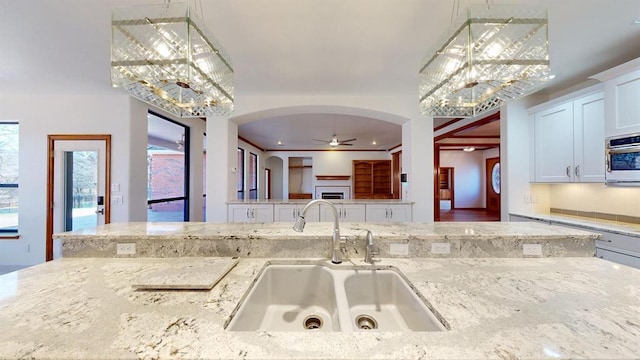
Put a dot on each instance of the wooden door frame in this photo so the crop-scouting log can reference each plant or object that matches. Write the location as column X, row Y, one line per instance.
column 396, row 170
column 452, row 181
column 489, row 183
column 51, row 139
column 268, row 178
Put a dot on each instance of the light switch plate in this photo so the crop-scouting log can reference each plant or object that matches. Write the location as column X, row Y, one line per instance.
column 116, row 200
column 532, row 249
column 126, row 249
column 399, row 249
column 440, row 248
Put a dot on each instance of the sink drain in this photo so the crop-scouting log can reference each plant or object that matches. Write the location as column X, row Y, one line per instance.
column 312, row 322
column 366, row 322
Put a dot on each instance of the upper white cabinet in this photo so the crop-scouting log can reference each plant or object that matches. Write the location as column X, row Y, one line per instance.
column 588, row 138
column 568, row 140
column 250, row 213
column 389, row 212
column 346, row 212
column 622, row 94
column 290, row 212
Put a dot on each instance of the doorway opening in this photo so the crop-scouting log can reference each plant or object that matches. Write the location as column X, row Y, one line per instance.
column 462, row 148
column 78, row 185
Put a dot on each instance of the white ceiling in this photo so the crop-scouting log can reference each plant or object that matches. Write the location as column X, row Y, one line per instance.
column 280, row 47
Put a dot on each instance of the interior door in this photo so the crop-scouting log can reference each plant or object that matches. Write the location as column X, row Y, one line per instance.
column 493, row 184
column 78, row 187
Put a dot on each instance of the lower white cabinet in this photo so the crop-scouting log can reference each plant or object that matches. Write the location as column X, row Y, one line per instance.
column 346, row 212
column 290, row 212
column 622, row 249
column 389, row 213
column 250, row 213
column 624, row 258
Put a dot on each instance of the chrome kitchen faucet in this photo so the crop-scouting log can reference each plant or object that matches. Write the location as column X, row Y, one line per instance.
column 337, row 241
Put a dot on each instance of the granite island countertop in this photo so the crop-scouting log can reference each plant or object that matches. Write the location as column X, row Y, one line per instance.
column 496, row 308
column 464, row 239
column 616, row 227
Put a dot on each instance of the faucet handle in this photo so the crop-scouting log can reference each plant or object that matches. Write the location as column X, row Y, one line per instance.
column 346, row 239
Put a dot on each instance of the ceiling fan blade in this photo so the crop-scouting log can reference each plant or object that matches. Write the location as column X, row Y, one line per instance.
column 323, row 141
column 348, row 140
column 343, row 144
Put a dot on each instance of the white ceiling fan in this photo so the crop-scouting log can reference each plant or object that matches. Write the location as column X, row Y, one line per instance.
column 336, row 142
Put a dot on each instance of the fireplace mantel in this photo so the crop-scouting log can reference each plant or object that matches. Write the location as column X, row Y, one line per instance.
column 333, row 177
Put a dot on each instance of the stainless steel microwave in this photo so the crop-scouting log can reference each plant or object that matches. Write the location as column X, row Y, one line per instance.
column 623, row 160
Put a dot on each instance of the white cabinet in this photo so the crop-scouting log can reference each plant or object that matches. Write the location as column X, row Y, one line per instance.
column 568, row 141
column 250, row 213
column 389, row 213
column 289, row 212
column 623, row 111
column 622, row 94
column 346, row 212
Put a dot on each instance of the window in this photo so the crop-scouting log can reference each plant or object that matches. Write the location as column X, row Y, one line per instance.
column 168, row 169
column 240, row 172
column 253, row 176
column 9, row 177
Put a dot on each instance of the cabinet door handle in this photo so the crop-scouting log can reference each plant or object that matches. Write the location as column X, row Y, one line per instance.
column 578, row 170
column 293, row 212
column 391, row 213
column 247, row 213
column 253, row 213
column 344, row 214
column 386, row 213
column 568, row 170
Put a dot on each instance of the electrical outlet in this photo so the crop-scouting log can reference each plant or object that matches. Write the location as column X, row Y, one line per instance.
column 399, row 249
column 116, row 200
column 440, row 248
column 532, row 249
column 534, row 199
column 527, row 199
column 126, row 249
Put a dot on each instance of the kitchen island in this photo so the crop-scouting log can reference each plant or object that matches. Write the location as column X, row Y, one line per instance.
column 86, row 308
column 497, row 301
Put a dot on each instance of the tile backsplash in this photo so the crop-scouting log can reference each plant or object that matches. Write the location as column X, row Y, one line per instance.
column 597, row 201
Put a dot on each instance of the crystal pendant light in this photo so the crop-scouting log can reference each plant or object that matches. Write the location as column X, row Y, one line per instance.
column 163, row 55
column 490, row 55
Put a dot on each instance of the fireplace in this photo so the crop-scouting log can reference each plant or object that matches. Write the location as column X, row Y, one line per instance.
column 333, row 192
column 332, row 195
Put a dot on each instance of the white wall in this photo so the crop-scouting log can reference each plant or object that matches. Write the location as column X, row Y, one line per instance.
column 417, row 162
column 468, row 177
column 262, row 156
column 275, row 164
column 323, row 163
column 515, row 130
column 40, row 115
column 222, row 145
column 596, row 198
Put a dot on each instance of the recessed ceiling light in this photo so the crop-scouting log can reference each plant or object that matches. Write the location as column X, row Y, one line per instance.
column 636, row 21
column 374, row 142
column 280, row 143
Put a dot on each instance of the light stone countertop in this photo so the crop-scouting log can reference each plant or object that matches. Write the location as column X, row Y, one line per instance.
column 471, row 239
column 588, row 224
column 496, row 308
column 335, row 201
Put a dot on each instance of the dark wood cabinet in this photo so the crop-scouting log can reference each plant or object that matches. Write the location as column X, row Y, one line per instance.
column 372, row 179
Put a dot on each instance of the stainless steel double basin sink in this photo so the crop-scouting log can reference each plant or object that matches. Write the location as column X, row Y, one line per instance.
column 317, row 296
